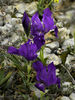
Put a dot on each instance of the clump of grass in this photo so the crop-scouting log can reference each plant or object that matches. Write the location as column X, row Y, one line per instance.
column 42, row 4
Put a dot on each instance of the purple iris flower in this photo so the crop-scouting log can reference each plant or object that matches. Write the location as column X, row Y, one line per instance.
column 38, row 28
column 47, row 24
column 26, row 24
column 46, row 75
column 28, row 50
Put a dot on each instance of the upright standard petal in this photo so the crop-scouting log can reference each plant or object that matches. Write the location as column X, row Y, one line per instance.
column 39, row 40
column 36, row 25
column 28, row 50
column 47, row 12
column 26, row 23
column 13, row 50
column 48, row 23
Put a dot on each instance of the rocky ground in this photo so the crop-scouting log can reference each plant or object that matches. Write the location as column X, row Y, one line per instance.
column 56, row 50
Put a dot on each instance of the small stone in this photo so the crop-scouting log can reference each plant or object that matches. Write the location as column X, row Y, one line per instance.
column 66, row 84
column 18, row 15
column 70, row 62
column 72, row 96
column 47, row 51
column 68, row 43
column 20, row 7
column 59, row 51
column 37, row 91
column 64, row 98
column 53, row 58
column 7, row 19
column 57, row 72
column 2, row 14
column 9, row 9
column 5, row 29
column 15, row 21
column 31, row 8
column 70, row 13
column 53, row 45
column 67, row 88
column 19, row 28
column 72, row 29
column 14, row 38
column 59, row 24
column 64, row 33
column 5, row 42
column 63, row 18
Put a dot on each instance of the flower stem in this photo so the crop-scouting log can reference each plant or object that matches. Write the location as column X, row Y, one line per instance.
column 41, row 54
column 73, row 81
column 28, row 70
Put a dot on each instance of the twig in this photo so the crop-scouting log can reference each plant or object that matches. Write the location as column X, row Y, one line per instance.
column 73, row 81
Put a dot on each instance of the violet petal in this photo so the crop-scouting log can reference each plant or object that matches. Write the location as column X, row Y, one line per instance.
column 40, row 86
column 26, row 23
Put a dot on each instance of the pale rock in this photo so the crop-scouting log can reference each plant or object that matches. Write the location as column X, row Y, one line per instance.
column 70, row 62
column 15, row 21
column 63, row 18
column 5, row 42
column 70, row 13
column 36, row 91
column 14, row 38
column 57, row 72
column 72, row 96
column 53, row 45
column 9, row 9
column 72, row 29
column 68, row 43
column 67, row 88
column 21, row 7
column 8, row 18
column 19, row 28
column 64, row 33
column 31, row 8
column 66, row 84
column 53, row 58
column 18, row 15
column 64, row 98
column 59, row 24
column 2, row 13
column 6, row 29
column 47, row 50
